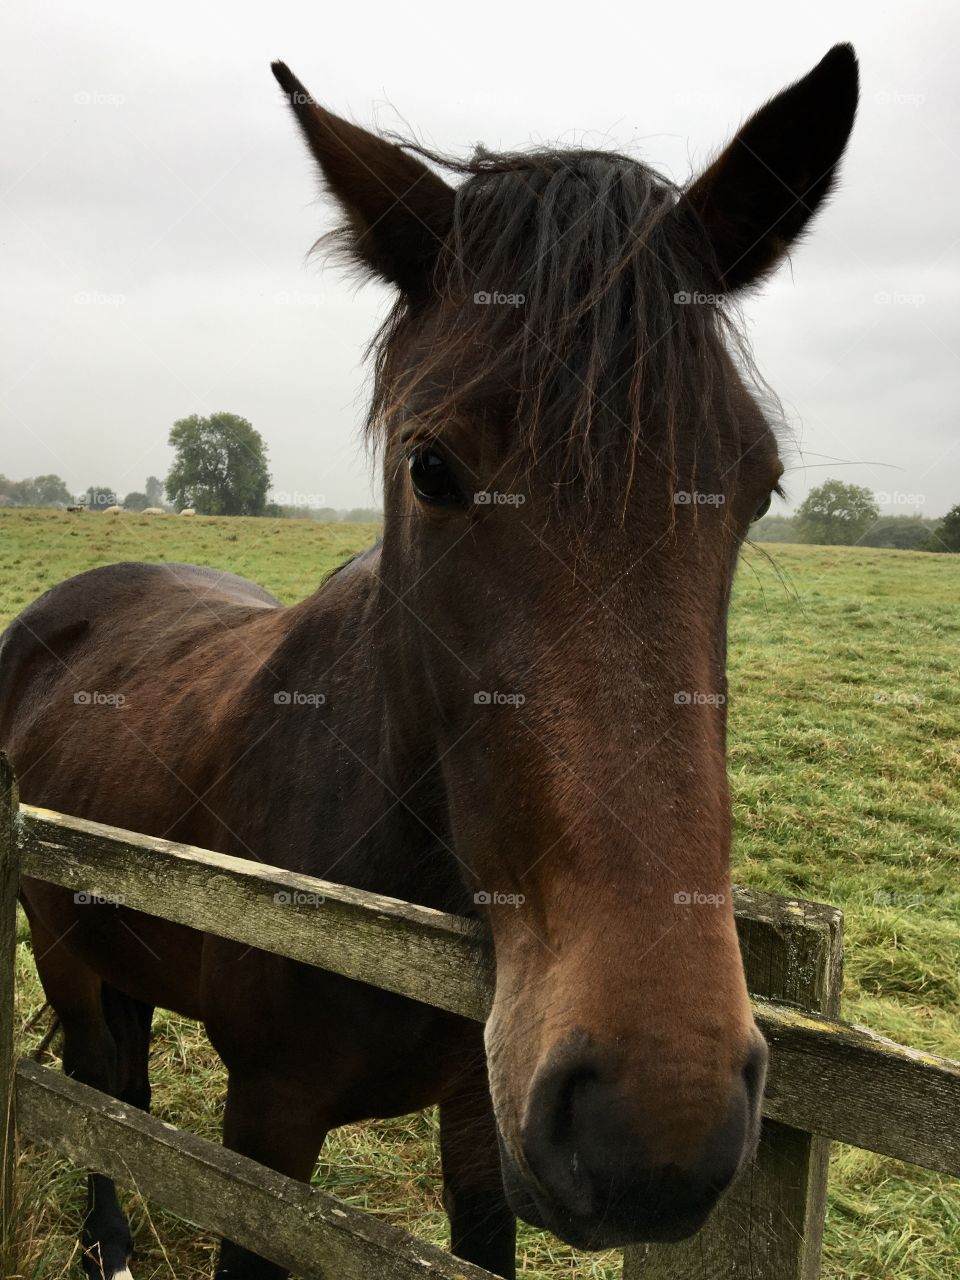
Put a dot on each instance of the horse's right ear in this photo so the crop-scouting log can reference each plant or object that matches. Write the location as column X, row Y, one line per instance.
column 398, row 211
column 758, row 196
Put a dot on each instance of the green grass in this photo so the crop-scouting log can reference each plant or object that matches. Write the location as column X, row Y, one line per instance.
column 38, row 549
column 845, row 763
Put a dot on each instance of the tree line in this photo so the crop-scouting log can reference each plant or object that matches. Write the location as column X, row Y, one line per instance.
column 220, row 468
column 838, row 514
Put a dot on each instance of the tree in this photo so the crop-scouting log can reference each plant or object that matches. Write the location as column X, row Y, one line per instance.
column 49, row 491
column 774, row 529
column 137, row 501
column 100, row 496
column 154, row 492
column 40, row 491
column 947, row 536
column 220, row 467
column 905, row 533
column 836, row 514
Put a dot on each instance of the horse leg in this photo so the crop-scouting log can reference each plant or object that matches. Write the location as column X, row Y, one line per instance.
column 92, row 1055
column 483, row 1230
column 106, row 1237
column 130, row 1021
column 280, row 1127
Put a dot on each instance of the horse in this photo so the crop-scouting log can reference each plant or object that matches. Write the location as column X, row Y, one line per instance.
column 512, row 707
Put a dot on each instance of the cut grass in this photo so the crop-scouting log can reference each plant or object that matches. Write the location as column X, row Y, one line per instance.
column 845, row 765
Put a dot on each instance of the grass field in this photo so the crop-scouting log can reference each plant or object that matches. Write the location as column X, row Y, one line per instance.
column 845, row 762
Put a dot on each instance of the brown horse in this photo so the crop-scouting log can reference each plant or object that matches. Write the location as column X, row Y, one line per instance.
column 513, row 707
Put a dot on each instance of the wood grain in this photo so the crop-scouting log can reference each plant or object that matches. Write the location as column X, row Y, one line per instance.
column 308, row 1231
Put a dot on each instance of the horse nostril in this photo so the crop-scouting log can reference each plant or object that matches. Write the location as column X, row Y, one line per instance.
column 755, row 1071
column 555, row 1129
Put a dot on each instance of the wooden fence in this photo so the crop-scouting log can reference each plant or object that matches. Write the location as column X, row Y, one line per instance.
column 827, row 1080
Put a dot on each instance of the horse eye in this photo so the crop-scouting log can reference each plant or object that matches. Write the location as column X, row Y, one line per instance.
column 762, row 510
column 431, row 477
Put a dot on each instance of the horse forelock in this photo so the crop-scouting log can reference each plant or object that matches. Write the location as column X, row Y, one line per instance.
column 575, row 303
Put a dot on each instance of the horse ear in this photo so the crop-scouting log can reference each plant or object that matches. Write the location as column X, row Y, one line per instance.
column 758, row 196
column 398, row 211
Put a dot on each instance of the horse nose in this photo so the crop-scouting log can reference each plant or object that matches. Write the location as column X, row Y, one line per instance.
column 755, row 1073
column 599, row 1184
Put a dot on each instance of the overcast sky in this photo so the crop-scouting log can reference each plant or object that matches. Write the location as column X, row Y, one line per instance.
column 157, row 206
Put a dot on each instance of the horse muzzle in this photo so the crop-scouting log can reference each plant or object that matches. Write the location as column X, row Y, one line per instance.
column 585, row 1171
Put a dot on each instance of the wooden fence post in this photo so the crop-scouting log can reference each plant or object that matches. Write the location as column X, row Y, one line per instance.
column 9, row 885
column 770, row 1226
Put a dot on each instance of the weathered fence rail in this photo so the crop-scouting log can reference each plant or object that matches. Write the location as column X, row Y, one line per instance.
column 828, row 1080
column 314, row 1234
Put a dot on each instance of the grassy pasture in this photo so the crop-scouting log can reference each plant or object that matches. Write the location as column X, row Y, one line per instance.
column 845, row 764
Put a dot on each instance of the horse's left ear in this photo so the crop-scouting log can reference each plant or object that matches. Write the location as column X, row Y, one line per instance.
column 398, row 211
column 758, row 196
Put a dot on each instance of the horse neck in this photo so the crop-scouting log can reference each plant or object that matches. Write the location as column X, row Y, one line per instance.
column 373, row 784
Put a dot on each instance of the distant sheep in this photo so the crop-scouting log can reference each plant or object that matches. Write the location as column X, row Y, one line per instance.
column 152, row 511
column 77, row 506
column 112, row 511
column 188, row 511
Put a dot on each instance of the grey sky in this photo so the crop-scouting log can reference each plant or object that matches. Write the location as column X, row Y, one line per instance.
column 157, row 206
